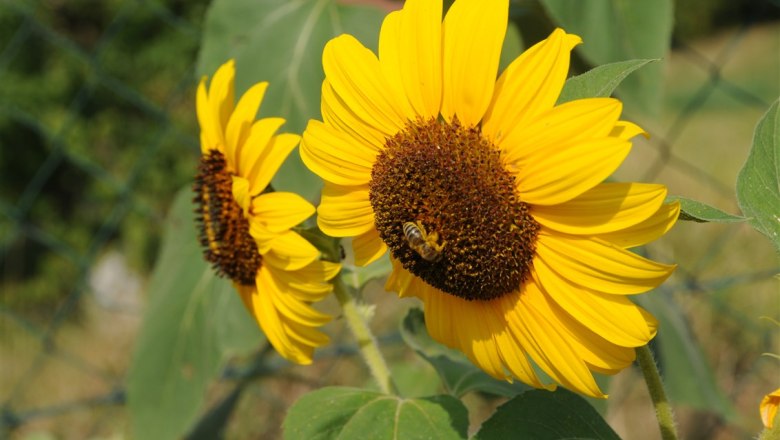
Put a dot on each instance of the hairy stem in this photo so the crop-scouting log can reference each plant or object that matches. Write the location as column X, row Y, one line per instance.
column 663, row 410
column 365, row 339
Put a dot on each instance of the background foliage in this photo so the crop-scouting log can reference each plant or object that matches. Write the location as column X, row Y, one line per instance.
column 97, row 133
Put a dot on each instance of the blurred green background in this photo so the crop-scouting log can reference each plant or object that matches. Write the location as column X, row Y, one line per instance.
column 98, row 132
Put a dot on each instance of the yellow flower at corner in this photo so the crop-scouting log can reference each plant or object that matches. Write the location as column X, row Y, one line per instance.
column 489, row 197
column 246, row 229
column 768, row 408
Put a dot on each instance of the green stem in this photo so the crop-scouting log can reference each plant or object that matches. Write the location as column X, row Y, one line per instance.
column 365, row 339
column 663, row 410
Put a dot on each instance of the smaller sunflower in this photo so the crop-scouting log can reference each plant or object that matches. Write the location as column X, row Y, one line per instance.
column 768, row 408
column 245, row 228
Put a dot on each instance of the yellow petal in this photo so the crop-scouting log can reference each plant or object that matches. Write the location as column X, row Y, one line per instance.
column 613, row 317
column 605, row 208
column 240, row 123
column 289, row 251
column 410, row 53
column 356, row 76
column 335, row 156
column 553, row 177
column 599, row 265
column 240, row 191
column 279, row 211
column 345, row 211
column 626, row 130
column 310, row 282
column 368, row 247
column 252, row 154
column 210, row 131
column 768, row 408
column 265, row 312
column 516, row 361
column 222, row 95
column 336, row 114
column 569, row 123
column 474, row 31
column 294, row 309
column 271, row 158
column 530, row 85
column 642, row 233
column 541, row 335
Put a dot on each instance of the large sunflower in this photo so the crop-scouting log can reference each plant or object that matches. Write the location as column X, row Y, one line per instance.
column 245, row 229
column 489, row 197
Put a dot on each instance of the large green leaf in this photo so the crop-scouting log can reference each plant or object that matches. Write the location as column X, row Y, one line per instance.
column 692, row 210
column 681, row 359
column 457, row 373
column 617, row 30
column 600, row 81
column 545, row 415
column 192, row 320
column 281, row 41
column 758, row 184
column 351, row 413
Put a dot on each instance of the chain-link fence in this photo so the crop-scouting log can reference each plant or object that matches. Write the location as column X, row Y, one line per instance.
column 97, row 131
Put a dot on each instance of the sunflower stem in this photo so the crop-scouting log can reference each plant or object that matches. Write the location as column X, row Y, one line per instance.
column 365, row 339
column 663, row 410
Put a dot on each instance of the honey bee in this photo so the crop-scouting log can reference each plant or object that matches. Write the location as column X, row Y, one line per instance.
column 423, row 243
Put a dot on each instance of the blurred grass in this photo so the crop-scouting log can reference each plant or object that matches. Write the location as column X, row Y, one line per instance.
column 98, row 132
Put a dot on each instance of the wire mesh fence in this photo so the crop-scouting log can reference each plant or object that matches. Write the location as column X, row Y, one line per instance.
column 97, row 132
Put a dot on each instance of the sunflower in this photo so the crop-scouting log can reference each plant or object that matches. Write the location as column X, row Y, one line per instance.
column 245, row 228
column 490, row 197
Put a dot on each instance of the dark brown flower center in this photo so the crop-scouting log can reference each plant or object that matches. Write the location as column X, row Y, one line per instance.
column 224, row 231
column 448, row 210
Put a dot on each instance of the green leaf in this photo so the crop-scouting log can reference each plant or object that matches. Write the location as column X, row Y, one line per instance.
column 351, row 413
column 758, row 183
column 681, row 359
column 193, row 318
column 617, row 30
column 600, row 81
column 457, row 373
column 281, row 42
column 692, row 210
column 358, row 276
column 545, row 415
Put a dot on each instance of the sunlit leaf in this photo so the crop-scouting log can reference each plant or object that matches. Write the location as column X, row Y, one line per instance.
column 192, row 320
column 545, row 415
column 281, row 41
column 758, row 184
column 692, row 210
column 616, row 30
column 458, row 375
column 351, row 413
column 600, row 81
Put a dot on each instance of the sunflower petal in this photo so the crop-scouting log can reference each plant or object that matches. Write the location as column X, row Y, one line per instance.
column 335, row 156
column 368, row 247
column 569, row 123
column 613, row 317
column 649, row 230
column 336, row 113
column 473, row 34
column 626, row 130
column 256, row 147
column 222, row 95
column 530, row 85
column 279, row 211
column 356, row 76
column 289, row 251
column 240, row 123
column 600, row 265
column 554, row 177
column 272, row 158
column 310, row 282
column 345, row 211
column 210, row 131
column 605, row 208
column 267, row 316
column 410, row 50
column 540, row 333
